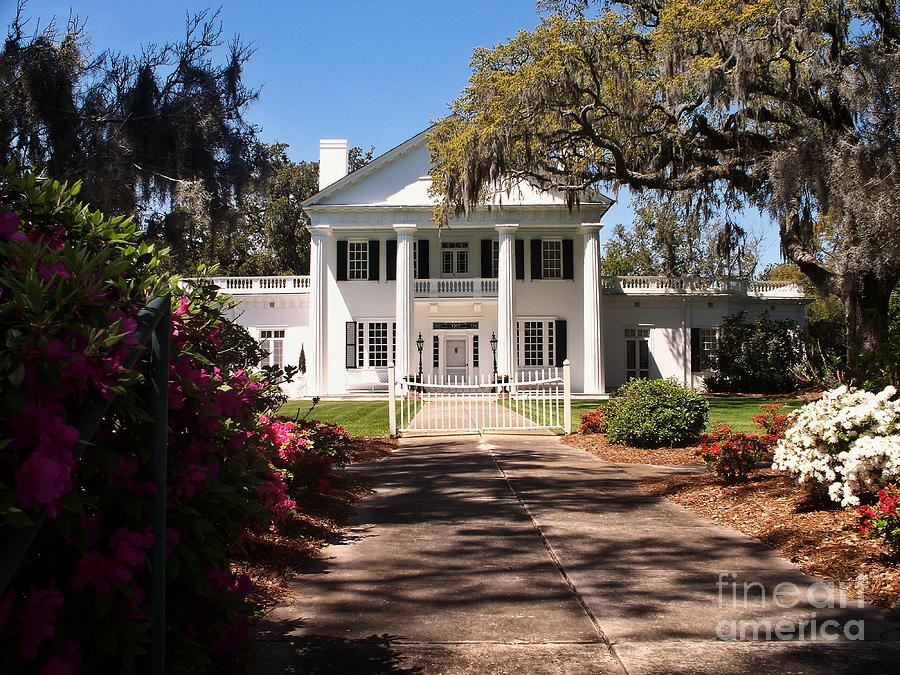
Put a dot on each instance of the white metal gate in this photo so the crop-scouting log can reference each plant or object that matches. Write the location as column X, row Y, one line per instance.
column 534, row 399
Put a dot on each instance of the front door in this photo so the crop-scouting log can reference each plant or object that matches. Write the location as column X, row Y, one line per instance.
column 456, row 362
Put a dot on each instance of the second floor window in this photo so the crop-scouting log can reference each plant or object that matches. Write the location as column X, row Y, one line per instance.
column 454, row 259
column 551, row 259
column 358, row 260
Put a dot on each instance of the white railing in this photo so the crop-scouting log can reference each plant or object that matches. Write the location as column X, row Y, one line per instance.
column 253, row 285
column 455, row 288
column 651, row 285
column 535, row 399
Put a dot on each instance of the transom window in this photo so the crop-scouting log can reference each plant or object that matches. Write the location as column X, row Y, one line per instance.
column 272, row 342
column 551, row 259
column 357, row 260
column 709, row 342
column 637, row 353
column 454, row 259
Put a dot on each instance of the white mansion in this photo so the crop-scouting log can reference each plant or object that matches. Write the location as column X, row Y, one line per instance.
column 515, row 286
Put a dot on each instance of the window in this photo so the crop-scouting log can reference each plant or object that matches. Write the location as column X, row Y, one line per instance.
column 709, row 342
column 272, row 341
column 534, row 343
column 357, row 260
column 436, row 351
column 378, row 344
column 637, row 353
column 495, row 258
column 551, row 258
column 454, row 259
column 374, row 341
column 475, row 351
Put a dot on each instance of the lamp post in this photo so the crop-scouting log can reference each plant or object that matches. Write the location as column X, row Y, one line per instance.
column 494, row 349
column 420, row 342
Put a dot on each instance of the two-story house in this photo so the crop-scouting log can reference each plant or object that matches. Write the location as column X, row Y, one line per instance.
column 515, row 286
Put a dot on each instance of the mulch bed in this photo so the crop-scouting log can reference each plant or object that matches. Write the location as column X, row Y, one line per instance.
column 821, row 542
column 319, row 519
column 597, row 445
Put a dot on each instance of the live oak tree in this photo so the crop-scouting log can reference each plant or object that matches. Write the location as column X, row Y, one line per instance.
column 161, row 135
column 678, row 236
column 786, row 105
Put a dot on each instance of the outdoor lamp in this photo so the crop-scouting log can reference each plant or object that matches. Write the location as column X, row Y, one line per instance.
column 420, row 342
column 494, row 350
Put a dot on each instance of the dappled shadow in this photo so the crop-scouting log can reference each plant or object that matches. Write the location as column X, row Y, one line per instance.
column 446, row 551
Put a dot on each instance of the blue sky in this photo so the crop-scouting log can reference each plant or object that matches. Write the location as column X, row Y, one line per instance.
column 374, row 72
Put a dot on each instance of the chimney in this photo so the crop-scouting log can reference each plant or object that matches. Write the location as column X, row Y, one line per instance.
column 333, row 161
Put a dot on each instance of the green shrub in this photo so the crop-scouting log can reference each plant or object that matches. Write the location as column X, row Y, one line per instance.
column 655, row 413
column 756, row 356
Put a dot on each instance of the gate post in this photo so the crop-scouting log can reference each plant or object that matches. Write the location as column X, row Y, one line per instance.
column 567, row 397
column 392, row 400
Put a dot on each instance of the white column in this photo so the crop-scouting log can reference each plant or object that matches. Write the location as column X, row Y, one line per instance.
column 318, row 309
column 403, row 308
column 591, row 303
column 506, row 309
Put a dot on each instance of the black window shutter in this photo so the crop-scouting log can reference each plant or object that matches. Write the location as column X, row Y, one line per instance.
column 568, row 251
column 696, row 366
column 486, row 259
column 390, row 260
column 520, row 259
column 560, row 336
column 342, row 261
column 374, row 258
column 424, row 271
column 350, row 354
column 536, row 262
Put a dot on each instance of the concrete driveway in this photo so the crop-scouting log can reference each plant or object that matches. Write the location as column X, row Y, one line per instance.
column 512, row 554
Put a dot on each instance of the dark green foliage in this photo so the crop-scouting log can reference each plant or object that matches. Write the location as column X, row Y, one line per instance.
column 756, row 356
column 655, row 413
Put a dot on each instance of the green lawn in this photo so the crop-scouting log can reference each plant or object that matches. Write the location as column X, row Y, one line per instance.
column 735, row 411
column 359, row 418
column 370, row 418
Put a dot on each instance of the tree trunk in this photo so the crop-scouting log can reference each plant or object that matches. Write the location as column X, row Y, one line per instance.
column 866, row 301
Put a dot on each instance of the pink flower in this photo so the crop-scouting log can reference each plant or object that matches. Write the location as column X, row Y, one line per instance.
column 182, row 308
column 45, row 476
column 56, row 269
column 66, row 663
column 39, row 616
column 94, row 569
column 10, row 224
column 128, row 546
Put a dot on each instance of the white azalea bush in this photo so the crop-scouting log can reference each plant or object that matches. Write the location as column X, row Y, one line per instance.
column 845, row 445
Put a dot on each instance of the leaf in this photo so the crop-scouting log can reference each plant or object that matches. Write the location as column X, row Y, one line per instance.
column 17, row 518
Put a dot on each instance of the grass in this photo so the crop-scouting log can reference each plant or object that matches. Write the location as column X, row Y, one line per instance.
column 370, row 418
column 735, row 411
column 359, row 418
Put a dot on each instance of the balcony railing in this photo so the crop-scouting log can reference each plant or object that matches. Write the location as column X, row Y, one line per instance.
column 487, row 288
column 649, row 285
column 455, row 288
column 253, row 285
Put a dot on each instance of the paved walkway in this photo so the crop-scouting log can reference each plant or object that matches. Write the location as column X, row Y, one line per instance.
column 523, row 555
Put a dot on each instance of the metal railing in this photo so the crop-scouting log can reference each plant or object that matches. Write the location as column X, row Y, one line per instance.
column 531, row 400
column 153, row 333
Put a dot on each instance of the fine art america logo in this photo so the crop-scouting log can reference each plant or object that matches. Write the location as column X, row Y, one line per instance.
column 812, row 619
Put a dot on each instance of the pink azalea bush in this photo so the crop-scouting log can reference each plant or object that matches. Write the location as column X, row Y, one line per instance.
column 71, row 285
